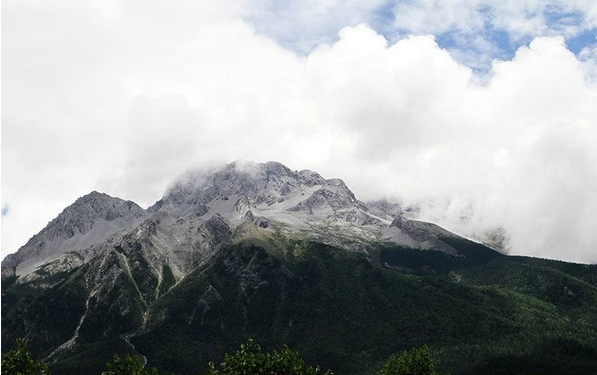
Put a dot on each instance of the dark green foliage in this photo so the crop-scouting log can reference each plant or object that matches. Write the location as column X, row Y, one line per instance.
column 554, row 356
column 19, row 361
column 470, row 254
column 168, row 280
column 416, row 261
column 90, row 358
column 252, row 360
column 346, row 311
column 8, row 281
column 343, row 312
column 416, row 361
column 128, row 365
column 133, row 261
column 47, row 318
column 120, row 310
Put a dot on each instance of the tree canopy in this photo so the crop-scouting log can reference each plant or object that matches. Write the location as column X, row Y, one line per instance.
column 19, row 361
column 252, row 360
column 416, row 361
column 128, row 365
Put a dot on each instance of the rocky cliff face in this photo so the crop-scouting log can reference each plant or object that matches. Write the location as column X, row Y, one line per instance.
column 89, row 221
column 268, row 188
column 201, row 211
column 298, row 203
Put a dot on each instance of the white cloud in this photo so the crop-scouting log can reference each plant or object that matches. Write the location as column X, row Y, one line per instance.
column 477, row 31
column 519, row 18
column 142, row 91
column 303, row 25
column 588, row 58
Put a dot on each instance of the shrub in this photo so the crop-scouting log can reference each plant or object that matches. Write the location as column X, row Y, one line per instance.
column 20, row 362
column 412, row 362
column 128, row 365
column 252, row 360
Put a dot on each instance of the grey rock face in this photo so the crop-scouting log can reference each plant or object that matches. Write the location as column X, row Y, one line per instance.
column 419, row 234
column 496, row 239
column 271, row 196
column 89, row 221
column 268, row 185
column 202, row 211
column 385, row 209
column 256, row 183
column 325, row 198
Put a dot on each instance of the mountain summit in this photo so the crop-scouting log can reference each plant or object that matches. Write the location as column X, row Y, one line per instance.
column 298, row 203
column 259, row 250
column 90, row 220
column 271, row 194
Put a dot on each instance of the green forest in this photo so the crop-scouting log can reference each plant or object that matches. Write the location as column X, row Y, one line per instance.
column 478, row 313
column 249, row 359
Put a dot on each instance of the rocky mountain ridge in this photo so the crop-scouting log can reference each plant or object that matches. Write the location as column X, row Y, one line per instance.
column 89, row 221
column 270, row 196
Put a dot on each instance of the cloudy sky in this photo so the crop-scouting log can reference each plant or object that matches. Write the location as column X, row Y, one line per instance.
column 482, row 113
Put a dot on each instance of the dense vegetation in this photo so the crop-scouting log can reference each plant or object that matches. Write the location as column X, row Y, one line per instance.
column 482, row 312
column 413, row 362
column 19, row 361
column 251, row 359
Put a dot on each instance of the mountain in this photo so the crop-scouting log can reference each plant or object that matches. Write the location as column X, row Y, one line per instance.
column 283, row 256
column 89, row 221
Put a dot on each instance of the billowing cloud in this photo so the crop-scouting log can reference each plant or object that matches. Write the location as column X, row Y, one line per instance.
column 303, row 25
column 474, row 31
column 477, row 31
column 519, row 18
column 143, row 91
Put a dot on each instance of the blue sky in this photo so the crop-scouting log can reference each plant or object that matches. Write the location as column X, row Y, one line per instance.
column 474, row 31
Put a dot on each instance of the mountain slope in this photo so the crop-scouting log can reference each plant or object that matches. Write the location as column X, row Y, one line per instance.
column 89, row 221
column 259, row 250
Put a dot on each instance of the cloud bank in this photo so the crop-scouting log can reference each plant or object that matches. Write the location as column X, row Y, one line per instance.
column 474, row 31
column 124, row 96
